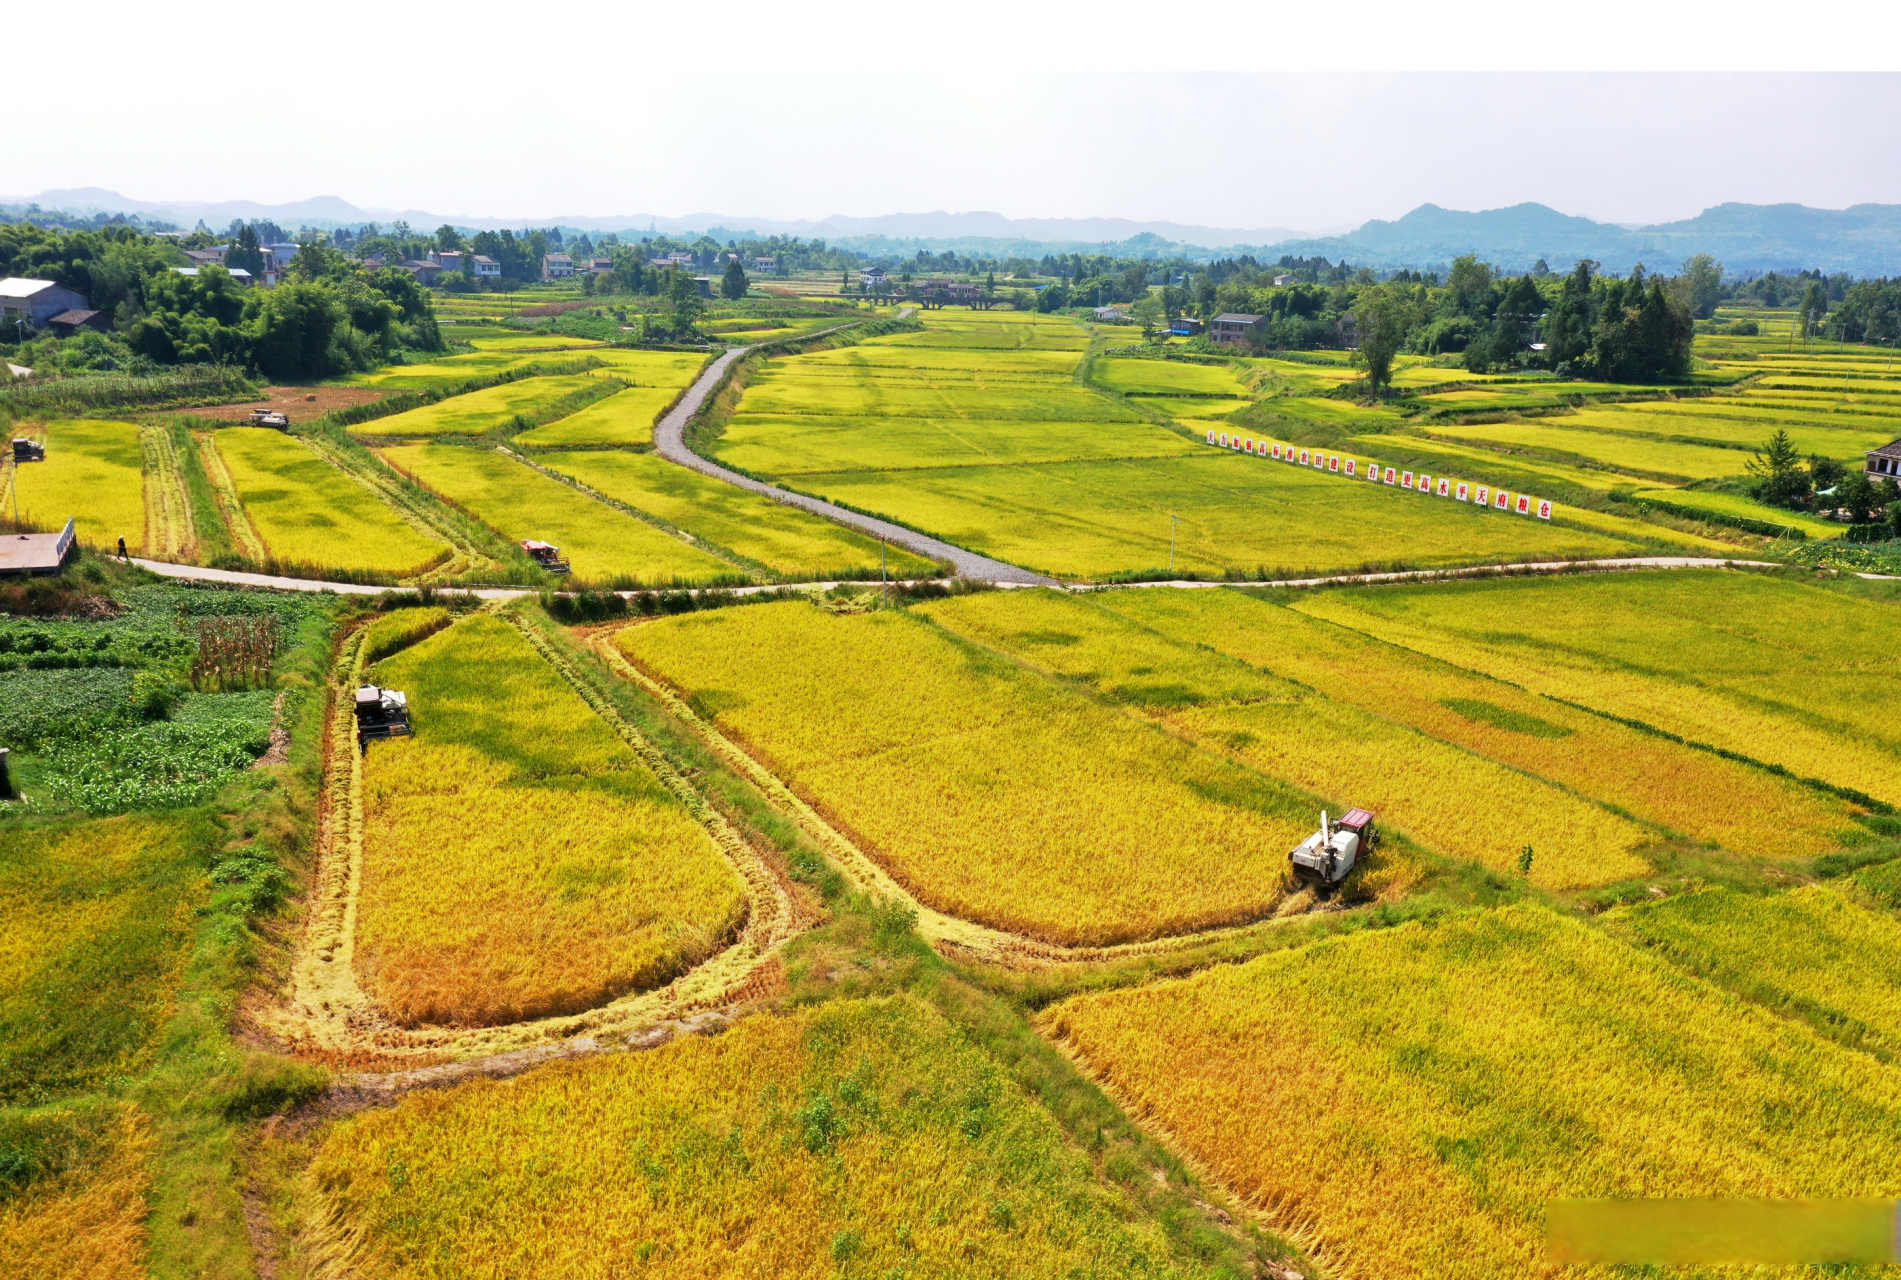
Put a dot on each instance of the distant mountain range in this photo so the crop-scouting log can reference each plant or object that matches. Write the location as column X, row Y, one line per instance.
column 1863, row 240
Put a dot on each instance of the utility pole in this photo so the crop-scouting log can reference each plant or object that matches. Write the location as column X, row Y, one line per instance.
column 883, row 576
column 1173, row 521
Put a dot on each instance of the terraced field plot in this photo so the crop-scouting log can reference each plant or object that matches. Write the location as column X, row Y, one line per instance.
column 99, row 919
column 1167, row 378
column 1526, row 471
column 1708, row 422
column 94, row 472
column 786, row 540
column 86, row 1214
column 1096, row 519
column 1791, row 674
column 1083, row 492
column 1813, row 953
column 990, row 330
column 992, row 794
column 1735, row 504
column 451, row 370
column 1190, row 410
column 624, row 418
column 518, row 858
column 308, row 512
column 1404, row 1101
column 515, row 340
column 479, row 412
column 1654, row 780
column 1660, row 457
column 605, row 546
column 871, row 1134
column 1440, row 794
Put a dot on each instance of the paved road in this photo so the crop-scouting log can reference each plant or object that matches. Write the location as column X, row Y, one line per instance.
column 669, row 440
column 194, row 573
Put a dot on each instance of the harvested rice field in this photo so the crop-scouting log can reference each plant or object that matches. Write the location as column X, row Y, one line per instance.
column 518, row 858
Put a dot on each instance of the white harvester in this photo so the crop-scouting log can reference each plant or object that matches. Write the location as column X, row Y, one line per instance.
column 380, row 713
column 1324, row 858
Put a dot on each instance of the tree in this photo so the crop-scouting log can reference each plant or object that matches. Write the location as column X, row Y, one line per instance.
column 245, row 256
column 294, row 332
column 1781, row 480
column 1385, row 315
column 1814, row 308
column 1469, row 285
column 447, row 237
column 1703, row 282
column 683, row 294
column 733, row 284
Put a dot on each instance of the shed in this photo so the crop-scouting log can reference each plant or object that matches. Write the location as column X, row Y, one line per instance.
column 67, row 323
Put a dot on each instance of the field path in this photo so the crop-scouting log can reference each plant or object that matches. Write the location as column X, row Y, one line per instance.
column 669, row 440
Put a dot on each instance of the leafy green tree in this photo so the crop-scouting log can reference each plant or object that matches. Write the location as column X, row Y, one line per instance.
column 733, row 284
column 1469, row 286
column 1703, row 281
column 683, row 297
column 295, row 331
column 447, row 237
column 1781, row 480
column 1384, row 315
column 1813, row 310
column 245, row 254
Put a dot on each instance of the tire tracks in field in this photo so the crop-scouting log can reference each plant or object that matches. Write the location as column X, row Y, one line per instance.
column 327, row 1014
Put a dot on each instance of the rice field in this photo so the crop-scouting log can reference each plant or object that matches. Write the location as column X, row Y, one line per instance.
column 1167, row 378
column 1736, row 504
column 1784, row 672
column 308, row 512
column 605, row 546
column 1713, row 426
column 518, row 858
column 1094, row 520
column 1659, row 782
column 997, row 448
column 94, row 472
column 993, row 795
column 863, row 1138
column 1441, row 795
column 624, row 418
column 479, row 412
column 1628, row 452
column 785, row 540
column 451, row 371
column 77, row 1209
column 1405, row 1101
column 98, row 920
column 1812, row 953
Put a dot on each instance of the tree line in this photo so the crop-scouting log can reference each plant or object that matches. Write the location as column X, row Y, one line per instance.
column 329, row 316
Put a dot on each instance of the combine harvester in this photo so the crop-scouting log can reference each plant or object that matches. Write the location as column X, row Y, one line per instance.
column 547, row 556
column 269, row 418
column 380, row 713
column 25, row 450
column 1324, row 858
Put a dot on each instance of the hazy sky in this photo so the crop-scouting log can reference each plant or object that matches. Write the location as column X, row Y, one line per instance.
column 1029, row 111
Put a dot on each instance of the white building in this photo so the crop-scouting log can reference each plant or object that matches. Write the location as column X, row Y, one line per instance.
column 556, row 266
column 37, row 301
column 486, row 268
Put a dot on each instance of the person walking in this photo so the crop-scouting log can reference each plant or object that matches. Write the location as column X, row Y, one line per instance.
column 122, row 554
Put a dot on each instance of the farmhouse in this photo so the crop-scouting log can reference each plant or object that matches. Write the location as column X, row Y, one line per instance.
column 449, row 259
column 213, row 257
column 278, row 256
column 765, row 264
column 1109, row 315
column 1284, row 279
column 1185, row 327
column 1885, row 461
column 67, row 323
column 873, row 280
column 425, row 272
column 1235, row 328
column 556, row 266
column 600, row 266
column 36, row 302
column 486, row 268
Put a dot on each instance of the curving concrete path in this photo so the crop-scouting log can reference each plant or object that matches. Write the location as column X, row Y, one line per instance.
column 669, row 439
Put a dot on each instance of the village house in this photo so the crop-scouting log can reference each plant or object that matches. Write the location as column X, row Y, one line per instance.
column 556, row 266
column 212, row 257
column 449, row 259
column 36, row 302
column 486, row 268
column 1235, row 329
column 1109, row 315
column 600, row 266
column 425, row 272
column 67, row 323
column 1885, row 462
column 873, row 280
column 765, row 264
column 1284, row 279
column 278, row 256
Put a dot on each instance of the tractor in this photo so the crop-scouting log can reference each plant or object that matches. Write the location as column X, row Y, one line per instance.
column 548, row 557
column 380, row 713
column 1324, row 858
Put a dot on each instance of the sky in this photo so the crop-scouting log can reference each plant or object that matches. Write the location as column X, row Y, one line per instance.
column 1228, row 114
